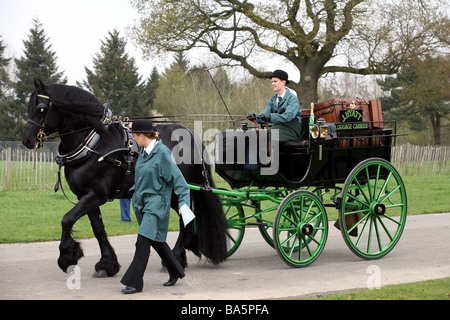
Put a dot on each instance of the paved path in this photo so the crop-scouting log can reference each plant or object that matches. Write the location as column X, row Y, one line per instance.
column 30, row 271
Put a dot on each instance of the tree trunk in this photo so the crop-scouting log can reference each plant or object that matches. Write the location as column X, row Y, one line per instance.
column 436, row 124
column 306, row 89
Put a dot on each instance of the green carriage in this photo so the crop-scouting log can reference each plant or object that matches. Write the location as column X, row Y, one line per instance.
column 343, row 162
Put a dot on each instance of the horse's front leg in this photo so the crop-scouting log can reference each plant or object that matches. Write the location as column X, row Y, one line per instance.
column 69, row 249
column 108, row 265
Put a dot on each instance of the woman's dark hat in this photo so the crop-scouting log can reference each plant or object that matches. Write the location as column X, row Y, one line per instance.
column 281, row 75
column 143, row 126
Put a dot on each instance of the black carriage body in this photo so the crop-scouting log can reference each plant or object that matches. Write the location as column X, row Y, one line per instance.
column 324, row 161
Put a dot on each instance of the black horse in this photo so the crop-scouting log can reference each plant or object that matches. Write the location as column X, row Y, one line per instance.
column 98, row 156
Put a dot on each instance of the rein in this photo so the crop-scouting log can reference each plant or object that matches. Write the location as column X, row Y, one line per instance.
column 46, row 138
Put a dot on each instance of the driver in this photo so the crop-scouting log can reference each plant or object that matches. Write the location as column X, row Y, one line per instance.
column 282, row 109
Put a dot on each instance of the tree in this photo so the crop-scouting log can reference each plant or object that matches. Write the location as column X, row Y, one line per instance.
column 172, row 95
column 187, row 91
column 5, row 81
column 150, row 89
column 39, row 61
column 420, row 94
column 115, row 79
column 7, row 105
column 315, row 37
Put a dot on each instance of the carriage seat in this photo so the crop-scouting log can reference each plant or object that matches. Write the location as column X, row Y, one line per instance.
column 296, row 146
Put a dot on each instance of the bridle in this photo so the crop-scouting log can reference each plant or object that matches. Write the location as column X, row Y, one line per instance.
column 42, row 108
column 43, row 133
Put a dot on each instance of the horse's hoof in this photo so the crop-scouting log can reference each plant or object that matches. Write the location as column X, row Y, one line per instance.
column 100, row 274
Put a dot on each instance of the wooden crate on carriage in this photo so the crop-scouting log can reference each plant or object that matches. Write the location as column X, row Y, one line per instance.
column 335, row 110
column 359, row 121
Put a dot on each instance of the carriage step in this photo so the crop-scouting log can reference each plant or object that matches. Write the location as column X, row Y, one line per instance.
column 263, row 224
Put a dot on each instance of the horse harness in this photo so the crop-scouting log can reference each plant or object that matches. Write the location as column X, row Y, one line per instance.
column 87, row 147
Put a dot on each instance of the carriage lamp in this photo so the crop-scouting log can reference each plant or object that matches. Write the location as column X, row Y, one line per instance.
column 319, row 130
column 324, row 131
column 315, row 131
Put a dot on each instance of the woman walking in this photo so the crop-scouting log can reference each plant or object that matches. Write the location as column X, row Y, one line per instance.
column 156, row 178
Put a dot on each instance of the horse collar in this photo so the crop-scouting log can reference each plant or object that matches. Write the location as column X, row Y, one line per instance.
column 83, row 151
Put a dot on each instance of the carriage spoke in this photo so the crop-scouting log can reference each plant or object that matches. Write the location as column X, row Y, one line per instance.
column 388, row 196
column 375, row 187
column 385, row 184
column 360, row 189
column 368, row 183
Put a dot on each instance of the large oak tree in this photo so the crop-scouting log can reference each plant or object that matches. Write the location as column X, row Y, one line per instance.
column 313, row 37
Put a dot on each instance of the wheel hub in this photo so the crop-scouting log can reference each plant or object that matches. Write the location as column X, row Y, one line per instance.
column 306, row 229
column 379, row 209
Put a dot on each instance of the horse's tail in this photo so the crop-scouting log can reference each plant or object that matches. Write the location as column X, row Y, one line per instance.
column 207, row 236
column 211, row 226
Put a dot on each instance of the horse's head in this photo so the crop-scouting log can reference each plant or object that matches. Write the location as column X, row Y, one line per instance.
column 43, row 117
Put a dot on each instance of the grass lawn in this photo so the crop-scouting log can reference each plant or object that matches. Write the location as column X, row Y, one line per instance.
column 425, row 290
column 28, row 216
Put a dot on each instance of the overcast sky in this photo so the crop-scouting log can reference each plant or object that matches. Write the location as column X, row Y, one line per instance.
column 75, row 29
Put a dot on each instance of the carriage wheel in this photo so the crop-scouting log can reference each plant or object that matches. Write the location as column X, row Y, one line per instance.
column 300, row 228
column 234, row 214
column 265, row 226
column 266, row 231
column 327, row 194
column 372, row 214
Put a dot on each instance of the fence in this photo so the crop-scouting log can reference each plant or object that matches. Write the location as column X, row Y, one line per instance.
column 421, row 160
column 22, row 169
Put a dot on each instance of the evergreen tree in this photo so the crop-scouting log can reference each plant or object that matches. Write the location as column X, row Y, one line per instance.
column 8, row 116
column 115, row 79
column 5, row 82
column 172, row 96
column 419, row 95
column 149, row 93
column 38, row 62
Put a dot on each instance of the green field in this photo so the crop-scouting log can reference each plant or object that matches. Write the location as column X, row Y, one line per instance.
column 424, row 290
column 28, row 216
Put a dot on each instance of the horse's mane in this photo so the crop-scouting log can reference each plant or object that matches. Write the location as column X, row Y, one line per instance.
column 79, row 103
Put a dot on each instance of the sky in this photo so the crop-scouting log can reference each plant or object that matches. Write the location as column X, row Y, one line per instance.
column 75, row 29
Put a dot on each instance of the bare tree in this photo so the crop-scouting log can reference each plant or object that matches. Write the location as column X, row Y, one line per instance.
column 313, row 37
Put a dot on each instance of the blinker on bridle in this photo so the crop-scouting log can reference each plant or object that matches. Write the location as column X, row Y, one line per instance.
column 42, row 109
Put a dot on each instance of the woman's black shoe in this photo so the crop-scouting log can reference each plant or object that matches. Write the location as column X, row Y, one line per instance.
column 171, row 282
column 129, row 290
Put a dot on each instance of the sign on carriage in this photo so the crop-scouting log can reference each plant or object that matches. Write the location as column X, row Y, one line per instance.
column 351, row 119
column 351, row 115
column 352, row 126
